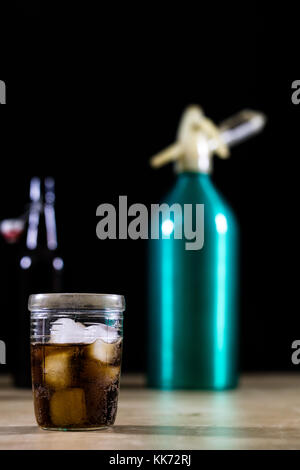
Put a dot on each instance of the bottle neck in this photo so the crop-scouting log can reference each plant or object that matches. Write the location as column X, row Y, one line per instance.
column 197, row 158
column 50, row 222
column 33, row 226
column 41, row 230
column 202, row 165
column 194, row 175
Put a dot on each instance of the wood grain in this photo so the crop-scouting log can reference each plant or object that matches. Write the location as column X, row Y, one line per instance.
column 263, row 413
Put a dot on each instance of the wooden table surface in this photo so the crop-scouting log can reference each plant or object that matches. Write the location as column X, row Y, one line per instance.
column 263, row 413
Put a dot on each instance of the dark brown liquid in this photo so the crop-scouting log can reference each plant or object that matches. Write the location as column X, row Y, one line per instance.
column 75, row 385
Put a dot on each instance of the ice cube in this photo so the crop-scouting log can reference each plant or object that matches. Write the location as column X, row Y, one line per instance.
column 67, row 407
column 57, row 369
column 66, row 330
column 99, row 373
column 111, row 374
column 105, row 352
column 107, row 333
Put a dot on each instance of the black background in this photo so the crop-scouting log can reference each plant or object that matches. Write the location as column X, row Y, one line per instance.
column 93, row 94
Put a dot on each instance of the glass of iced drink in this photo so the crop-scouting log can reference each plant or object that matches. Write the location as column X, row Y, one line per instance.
column 76, row 347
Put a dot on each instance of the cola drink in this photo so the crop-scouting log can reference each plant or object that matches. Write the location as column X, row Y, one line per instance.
column 76, row 385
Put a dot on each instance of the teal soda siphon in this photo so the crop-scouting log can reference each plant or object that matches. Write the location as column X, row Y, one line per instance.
column 193, row 293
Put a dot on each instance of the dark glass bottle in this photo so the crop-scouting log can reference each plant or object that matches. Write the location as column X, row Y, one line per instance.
column 40, row 269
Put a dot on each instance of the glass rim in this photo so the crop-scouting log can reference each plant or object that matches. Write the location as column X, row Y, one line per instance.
column 76, row 301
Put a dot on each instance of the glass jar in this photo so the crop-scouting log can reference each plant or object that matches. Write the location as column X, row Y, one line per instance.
column 76, row 348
